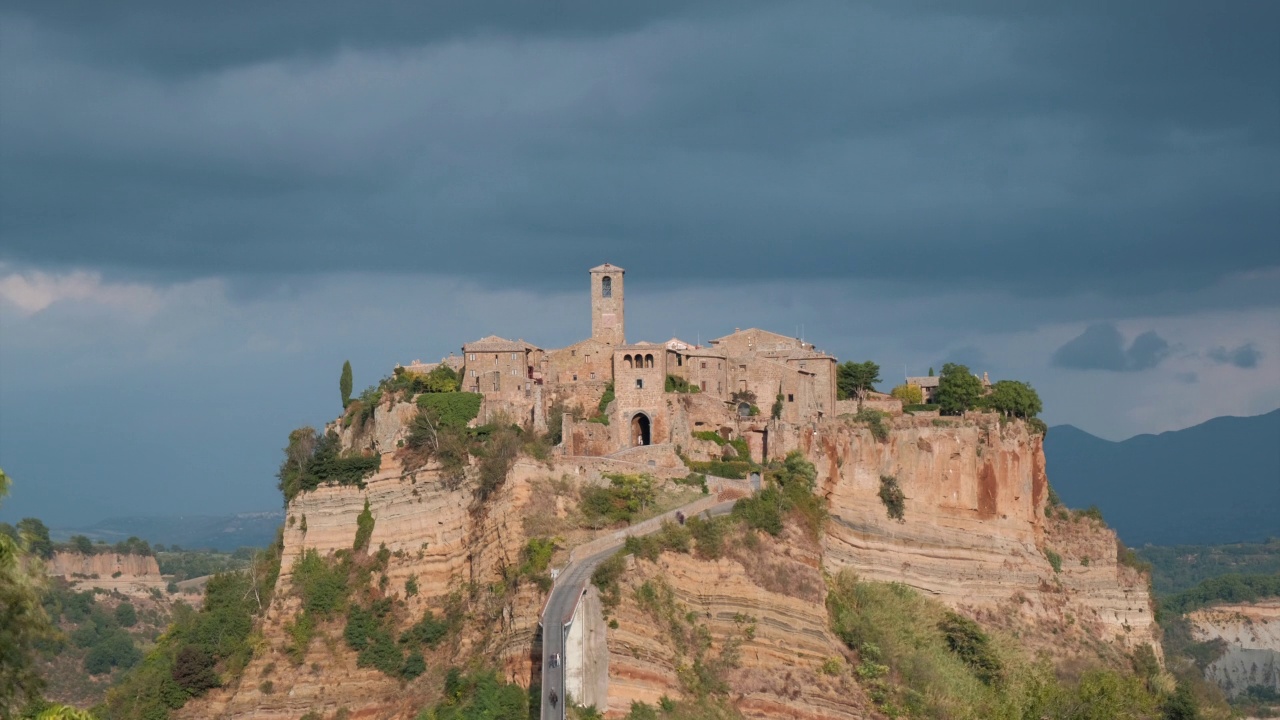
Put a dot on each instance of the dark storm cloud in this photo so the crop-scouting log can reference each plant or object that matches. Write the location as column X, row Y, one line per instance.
column 1245, row 356
column 1101, row 347
column 1123, row 150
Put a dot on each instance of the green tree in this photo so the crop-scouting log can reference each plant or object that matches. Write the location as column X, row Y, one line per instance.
column 82, row 544
column 854, row 380
column 344, row 384
column 36, row 535
column 126, row 614
column 23, row 622
column 908, row 394
column 958, row 389
column 1014, row 399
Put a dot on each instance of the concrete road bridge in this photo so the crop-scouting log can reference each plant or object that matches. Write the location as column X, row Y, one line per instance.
column 565, row 601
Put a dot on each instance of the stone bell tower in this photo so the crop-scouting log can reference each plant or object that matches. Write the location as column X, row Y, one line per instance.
column 607, row 323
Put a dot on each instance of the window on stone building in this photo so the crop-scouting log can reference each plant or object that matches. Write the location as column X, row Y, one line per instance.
column 606, row 287
column 704, row 386
column 626, row 360
column 495, row 356
column 704, row 366
column 473, row 373
column 593, row 376
column 471, row 356
column 648, row 361
column 679, row 361
column 639, row 383
column 791, row 398
column 513, row 356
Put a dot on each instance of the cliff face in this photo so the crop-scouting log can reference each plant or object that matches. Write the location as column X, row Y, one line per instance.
column 763, row 610
column 1252, row 634
column 73, row 566
column 435, row 538
column 974, row 535
column 974, row 532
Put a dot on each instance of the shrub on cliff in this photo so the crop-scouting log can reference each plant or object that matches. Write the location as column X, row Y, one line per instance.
column 199, row 647
column 452, row 409
column 893, row 498
column 480, row 694
column 626, row 497
column 677, row 384
column 312, row 460
column 920, row 659
column 364, row 528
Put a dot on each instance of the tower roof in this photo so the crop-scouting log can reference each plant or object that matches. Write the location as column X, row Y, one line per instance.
column 607, row 268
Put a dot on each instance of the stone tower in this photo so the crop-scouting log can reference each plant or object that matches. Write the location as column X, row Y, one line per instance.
column 607, row 324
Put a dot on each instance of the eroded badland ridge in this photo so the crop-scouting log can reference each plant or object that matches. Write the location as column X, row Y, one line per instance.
column 439, row 533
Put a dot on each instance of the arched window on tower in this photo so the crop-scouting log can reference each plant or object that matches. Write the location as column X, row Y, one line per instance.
column 606, row 286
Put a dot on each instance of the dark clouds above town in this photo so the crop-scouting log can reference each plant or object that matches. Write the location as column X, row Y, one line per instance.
column 1078, row 194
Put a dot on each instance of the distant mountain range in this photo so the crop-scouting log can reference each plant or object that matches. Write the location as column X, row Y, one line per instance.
column 192, row 532
column 1217, row 482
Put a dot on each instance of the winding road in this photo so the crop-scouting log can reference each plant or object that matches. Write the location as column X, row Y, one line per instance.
column 569, row 586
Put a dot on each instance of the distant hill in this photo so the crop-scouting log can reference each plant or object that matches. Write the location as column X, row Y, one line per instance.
column 223, row 532
column 1217, row 482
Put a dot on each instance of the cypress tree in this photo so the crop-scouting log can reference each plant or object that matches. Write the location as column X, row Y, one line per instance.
column 344, row 384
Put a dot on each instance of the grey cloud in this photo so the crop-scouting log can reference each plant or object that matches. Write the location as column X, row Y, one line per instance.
column 1244, row 356
column 1147, row 350
column 683, row 140
column 1101, row 347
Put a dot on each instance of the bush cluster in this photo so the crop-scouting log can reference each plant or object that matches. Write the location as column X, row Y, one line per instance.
column 893, row 498
column 875, row 421
column 480, row 694
column 312, row 460
column 917, row 658
column 677, row 384
column 370, row 631
column 626, row 497
column 789, row 488
column 452, row 409
column 200, row 648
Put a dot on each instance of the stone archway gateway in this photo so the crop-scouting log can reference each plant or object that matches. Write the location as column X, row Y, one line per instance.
column 640, row 430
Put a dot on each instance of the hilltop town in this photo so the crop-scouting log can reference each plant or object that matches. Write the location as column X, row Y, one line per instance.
column 658, row 392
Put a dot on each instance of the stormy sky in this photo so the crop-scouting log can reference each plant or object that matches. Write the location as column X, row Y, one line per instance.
column 206, row 207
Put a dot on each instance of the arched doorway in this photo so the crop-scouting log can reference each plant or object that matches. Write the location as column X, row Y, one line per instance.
column 640, row 429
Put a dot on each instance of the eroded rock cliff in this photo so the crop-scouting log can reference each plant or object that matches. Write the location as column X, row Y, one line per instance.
column 974, row 532
column 1251, row 632
column 974, row 535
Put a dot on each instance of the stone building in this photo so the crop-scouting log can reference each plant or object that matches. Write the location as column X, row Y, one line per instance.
column 734, row 382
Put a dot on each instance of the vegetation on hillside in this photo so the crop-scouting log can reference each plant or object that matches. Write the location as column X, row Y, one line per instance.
column 1175, row 568
column 1223, row 589
column 479, row 695
column 918, row 659
column 201, row 650
column 23, row 621
column 312, row 460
